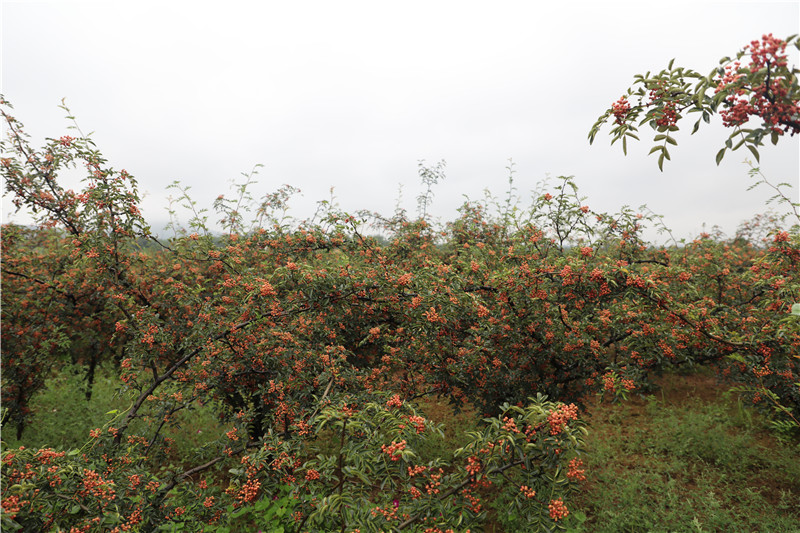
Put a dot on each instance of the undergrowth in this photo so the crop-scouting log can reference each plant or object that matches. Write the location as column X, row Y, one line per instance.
column 685, row 458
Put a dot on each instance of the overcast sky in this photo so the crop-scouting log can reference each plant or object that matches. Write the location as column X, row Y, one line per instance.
column 351, row 95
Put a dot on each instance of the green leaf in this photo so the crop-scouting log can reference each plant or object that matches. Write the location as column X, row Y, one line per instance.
column 625, row 146
column 754, row 152
column 661, row 162
column 655, row 148
column 796, row 309
column 672, row 141
column 240, row 512
column 671, row 61
column 774, row 137
column 736, row 357
column 720, row 155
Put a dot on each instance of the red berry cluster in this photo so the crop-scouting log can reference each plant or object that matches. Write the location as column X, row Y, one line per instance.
column 668, row 115
column 621, row 108
column 558, row 509
column 769, row 99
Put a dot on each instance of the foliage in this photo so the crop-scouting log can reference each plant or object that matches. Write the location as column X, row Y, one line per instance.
column 312, row 343
column 765, row 87
column 286, row 332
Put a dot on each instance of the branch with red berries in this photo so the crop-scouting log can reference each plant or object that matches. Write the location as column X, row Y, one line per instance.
column 757, row 84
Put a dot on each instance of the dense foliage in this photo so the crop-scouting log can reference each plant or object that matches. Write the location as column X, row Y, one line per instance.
column 312, row 342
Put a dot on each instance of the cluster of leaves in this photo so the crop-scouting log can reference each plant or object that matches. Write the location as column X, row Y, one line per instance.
column 765, row 86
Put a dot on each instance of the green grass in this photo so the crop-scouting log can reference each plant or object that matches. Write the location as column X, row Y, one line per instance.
column 62, row 417
column 677, row 463
column 456, row 428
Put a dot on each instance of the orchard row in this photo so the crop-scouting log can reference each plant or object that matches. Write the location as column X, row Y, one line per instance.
column 313, row 342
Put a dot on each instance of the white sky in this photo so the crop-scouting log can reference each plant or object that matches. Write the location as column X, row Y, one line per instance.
column 351, row 95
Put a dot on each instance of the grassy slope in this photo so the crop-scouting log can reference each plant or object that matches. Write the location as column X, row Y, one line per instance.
column 687, row 458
